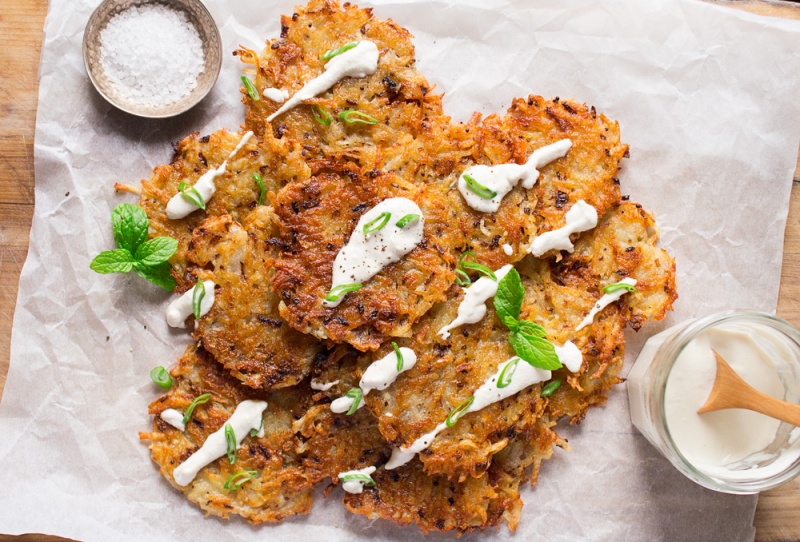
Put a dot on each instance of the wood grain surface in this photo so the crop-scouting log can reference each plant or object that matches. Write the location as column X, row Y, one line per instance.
column 21, row 24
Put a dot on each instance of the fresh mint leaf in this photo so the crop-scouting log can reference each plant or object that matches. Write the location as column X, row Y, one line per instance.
column 130, row 226
column 537, row 351
column 156, row 251
column 508, row 299
column 160, row 275
column 531, row 328
column 113, row 261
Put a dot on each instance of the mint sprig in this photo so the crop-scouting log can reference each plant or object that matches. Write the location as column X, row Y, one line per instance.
column 528, row 339
column 148, row 259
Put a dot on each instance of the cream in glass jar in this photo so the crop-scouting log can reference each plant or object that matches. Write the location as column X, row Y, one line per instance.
column 735, row 450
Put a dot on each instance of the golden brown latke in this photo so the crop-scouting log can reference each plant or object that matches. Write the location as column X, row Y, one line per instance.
column 280, row 489
column 396, row 94
column 316, row 218
column 278, row 162
column 244, row 330
column 588, row 171
column 557, row 296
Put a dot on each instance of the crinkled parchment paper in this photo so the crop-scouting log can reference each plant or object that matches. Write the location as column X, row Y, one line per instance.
column 706, row 97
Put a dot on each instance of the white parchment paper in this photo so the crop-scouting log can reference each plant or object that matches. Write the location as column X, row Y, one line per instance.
column 708, row 100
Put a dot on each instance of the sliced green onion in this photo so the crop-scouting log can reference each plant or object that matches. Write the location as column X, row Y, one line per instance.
column 459, row 411
column 334, row 52
column 198, row 293
column 230, row 440
column 406, row 220
column 474, row 265
column 262, row 194
column 351, row 115
column 356, row 395
column 552, row 386
column 320, row 115
column 192, row 194
column 462, row 278
column 366, row 479
column 341, row 290
column 482, row 191
column 377, row 223
column 508, row 371
column 254, row 432
column 251, row 90
column 611, row 288
column 161, row 377
column 236, row 481
column 399, row 356
column 199, row 400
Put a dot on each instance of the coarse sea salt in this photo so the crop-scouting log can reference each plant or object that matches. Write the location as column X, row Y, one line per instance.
column 152, row 54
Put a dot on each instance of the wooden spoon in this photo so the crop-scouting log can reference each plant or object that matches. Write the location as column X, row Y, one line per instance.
column 730, row 391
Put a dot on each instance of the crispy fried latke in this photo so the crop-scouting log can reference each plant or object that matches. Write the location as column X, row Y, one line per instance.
column 316, row 218
column 244, row 330
column 557, row 296
column 396, row 95
column 281, row 488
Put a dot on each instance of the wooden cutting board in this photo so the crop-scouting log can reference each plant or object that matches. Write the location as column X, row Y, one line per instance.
column 21, row 25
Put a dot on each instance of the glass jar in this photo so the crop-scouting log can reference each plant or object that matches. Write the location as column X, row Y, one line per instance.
column 673, row 376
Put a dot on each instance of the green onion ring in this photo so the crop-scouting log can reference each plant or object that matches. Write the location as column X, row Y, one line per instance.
column 351, row 116
column 474, row 265
column 406, row 220
column 611, row 288
column 254, row 432
column 551, row 387
column 262, row 190
column 482, row 191
column 356, row 395
column 399, row 356
column 245, row 476
column 341, row 290
column 457, row 412
column 508, row 371
column 377, row 223
column 198, row 293
column 199, row 400
column 192, row 194
column 320, row 115
column 334, row 52
column 462, row 278
column 366, row 479
column 161, row 377
column 251, row 90
column 230, row 440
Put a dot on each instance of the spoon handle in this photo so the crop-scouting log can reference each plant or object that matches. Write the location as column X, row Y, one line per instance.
column 774, row 408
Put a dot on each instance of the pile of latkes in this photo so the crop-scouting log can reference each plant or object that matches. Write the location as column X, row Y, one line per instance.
column 268, row 334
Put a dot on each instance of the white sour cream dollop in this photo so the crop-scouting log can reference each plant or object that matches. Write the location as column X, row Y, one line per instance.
column 365, row 254
column 181, row 309
column 503, row 178
column 604, row 302
column 580, row 217
column 355, row 486
column 360, row 61
column 472, row 308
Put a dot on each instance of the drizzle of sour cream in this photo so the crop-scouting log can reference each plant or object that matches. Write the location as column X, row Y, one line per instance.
column 180, row 207
column 524, row 375
column 360, row 61
column 344, row 403
column 383, row 372
column 472, row 308
column 322, row 386
column 604, row 302
column 365, row 254
column 355, row 486
column 503, row 178
column 275, row 94
column 508, row 249
column 570, row 356
column 174, row 418
column 246, row 417
column 181, row 309
column 580, row 217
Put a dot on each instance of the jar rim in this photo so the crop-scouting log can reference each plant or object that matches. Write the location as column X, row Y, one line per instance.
column 668, row 353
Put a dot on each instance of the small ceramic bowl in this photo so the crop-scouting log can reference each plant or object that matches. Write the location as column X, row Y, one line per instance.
column 196, row 13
